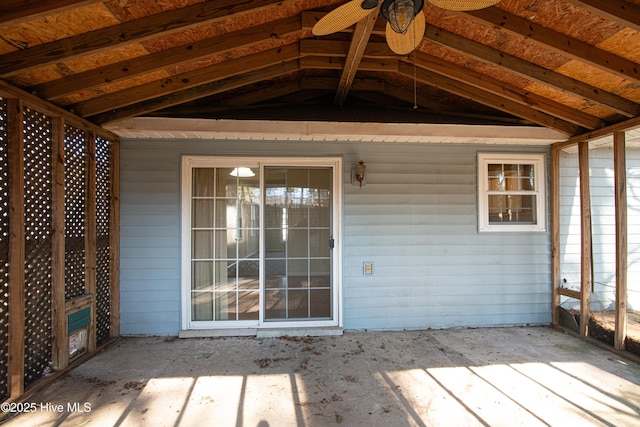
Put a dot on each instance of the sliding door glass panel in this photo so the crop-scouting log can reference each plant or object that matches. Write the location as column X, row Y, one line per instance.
column 297, row 266
column 225, row 245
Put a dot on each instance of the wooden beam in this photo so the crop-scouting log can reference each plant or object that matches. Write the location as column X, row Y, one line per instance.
column 507, row 91
column 338, row 63
column 127, row 32
column 532, row 71
column 13, row 12
column 489, row 99
column 621, row 12
column 620, row 183
column 90, row 231
column 114, row 239
column 598, row 133
column 359, row 42
column 555, row 238
column 16, row 309
column 186, row 80
column 60, row 350
column 323, row 47
column 197, row 92
column 570, row 47
column 111, row 73
column 586, row 238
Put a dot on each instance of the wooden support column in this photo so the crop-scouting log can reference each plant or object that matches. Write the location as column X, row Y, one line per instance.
column 60, row 351
column 620, row 177
column 114, row 239
column 585, row 228
column 90, row 236
column 555, row 236
column 15, row 134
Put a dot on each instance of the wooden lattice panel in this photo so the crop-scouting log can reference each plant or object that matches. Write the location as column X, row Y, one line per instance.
column 38, row 230
column 103, row 210
column 75, row 171
column 4, row 253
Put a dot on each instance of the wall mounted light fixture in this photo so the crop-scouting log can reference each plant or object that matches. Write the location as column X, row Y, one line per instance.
column 358, row 174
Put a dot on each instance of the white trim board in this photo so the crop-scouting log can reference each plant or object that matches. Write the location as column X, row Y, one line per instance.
column 264, row 130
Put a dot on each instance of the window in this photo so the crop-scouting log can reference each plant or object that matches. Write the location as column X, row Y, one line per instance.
column 511, row 192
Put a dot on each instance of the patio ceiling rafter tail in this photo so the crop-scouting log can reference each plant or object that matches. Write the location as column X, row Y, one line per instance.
column 115, row 72
column 554, row 41
column 532, row 71
column 181, row 96
column 186, row 80
column 127, row 32
column 483, row 97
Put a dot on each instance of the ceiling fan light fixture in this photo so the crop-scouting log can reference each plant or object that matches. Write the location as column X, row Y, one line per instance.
column 400, row 13
column 369, row 4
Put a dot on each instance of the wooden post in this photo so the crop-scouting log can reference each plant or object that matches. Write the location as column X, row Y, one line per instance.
column 585, row 228
column 15, row 134
column 60, row 351
column 555, row 236
column 90, row 236
column 620, row 176
column 114, row 239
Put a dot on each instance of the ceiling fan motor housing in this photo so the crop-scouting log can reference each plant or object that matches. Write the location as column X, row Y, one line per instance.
column 400, row 13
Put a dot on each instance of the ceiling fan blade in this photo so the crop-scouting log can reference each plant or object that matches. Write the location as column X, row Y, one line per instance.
column 341, row 18
column 403, row 44
column 463, row 4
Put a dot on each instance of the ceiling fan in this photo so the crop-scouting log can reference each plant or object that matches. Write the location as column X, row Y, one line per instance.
column 405, row 24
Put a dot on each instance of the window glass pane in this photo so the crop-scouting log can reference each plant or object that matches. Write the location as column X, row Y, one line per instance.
column 320, row 303
column 225, row 305
column 202, row 306
column 496, row 177
column 202, row 275
column 527, row 178
column 202, row 244
column 319, row 243
column 512, row 209
column 248, row 305
column 298, row 304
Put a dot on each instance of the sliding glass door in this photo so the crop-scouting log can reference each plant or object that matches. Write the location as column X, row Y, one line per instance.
column 259, row 243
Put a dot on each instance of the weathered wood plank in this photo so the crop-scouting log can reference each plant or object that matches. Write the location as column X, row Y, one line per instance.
column 531, row 71
column 489, row 99
column 15, row 134
column 13, row 12
column 185, row 80
column 556, row 42
column 555, row 237
column 620, row 183
column 505, row 90
column 159, row 60
column 127, row 32
column 114, row 239
column 197, row 92
column 60, row 351
column 622, row 12
column 90, row 235
column 586, row 238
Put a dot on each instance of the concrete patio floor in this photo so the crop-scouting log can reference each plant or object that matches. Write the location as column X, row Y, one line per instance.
column 459, row 377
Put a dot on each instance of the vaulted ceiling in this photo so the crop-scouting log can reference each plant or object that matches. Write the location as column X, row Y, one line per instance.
column 567, row 65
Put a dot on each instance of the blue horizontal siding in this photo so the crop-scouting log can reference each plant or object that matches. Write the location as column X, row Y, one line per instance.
column 415, row 219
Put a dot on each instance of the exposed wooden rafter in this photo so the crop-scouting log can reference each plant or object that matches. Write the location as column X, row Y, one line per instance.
column 622, row 12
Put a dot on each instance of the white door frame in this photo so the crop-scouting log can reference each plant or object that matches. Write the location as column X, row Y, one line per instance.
column 190, row 162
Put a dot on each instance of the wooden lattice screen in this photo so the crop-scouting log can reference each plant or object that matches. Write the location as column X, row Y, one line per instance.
column 58, row 249
column 37, row 236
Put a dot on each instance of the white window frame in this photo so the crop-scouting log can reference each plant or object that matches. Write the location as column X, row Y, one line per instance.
column 538, row 162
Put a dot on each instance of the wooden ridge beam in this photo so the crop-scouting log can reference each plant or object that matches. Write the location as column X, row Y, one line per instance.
column 185, row 80
column 111, row 73
column 323, row 47
column 338, row 63
column 489, row 99
column 127, row 32
column 359, row 41
column 507, row 91
column 532, row 71
column 619, row 11
column 556, row 42
column 197, row 92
